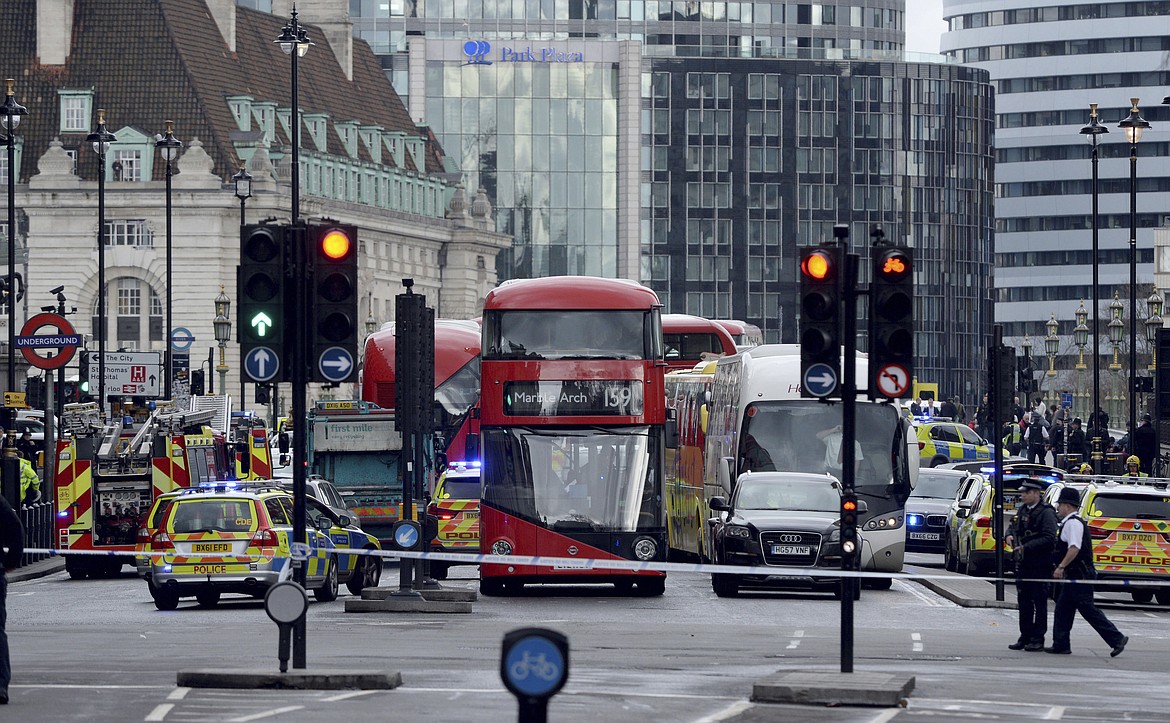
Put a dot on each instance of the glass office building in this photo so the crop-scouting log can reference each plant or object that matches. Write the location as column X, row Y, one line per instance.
column 696, row 145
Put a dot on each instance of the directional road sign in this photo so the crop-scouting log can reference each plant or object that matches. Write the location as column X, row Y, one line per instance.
column 65, row 341
column 181, row 338
column 892, row 381
column 129, row 373
column 262, row 364
column 820, row 380
column 335, row 364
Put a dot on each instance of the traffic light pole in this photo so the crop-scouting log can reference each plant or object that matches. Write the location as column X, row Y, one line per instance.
column 848, row 452
column 999, row 412
column 300, row 339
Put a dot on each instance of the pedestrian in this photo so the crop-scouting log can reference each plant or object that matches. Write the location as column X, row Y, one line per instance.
column 960, row 410
column 1056, row 439
column 12, row 540
column 1032, row 536
column 1075, row 439
column 1017, row 408
column 947, row 409
column 1036, row 439
column 28, row 447
column 928, row 409
column 916, row 406
column 1145, row 443
column 1074, row 550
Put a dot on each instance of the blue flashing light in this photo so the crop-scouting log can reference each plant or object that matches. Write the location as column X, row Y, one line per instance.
column 465, row 463
column 166, row 568
column 63, row 513
column 914, row 520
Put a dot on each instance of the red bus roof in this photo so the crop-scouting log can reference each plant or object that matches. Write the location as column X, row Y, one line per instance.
column 570, row 292
column 456, row 343
column 688, row 324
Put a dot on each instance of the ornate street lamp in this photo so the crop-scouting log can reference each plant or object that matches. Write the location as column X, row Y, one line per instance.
column 1133, row 125
column 1116, row 328
column 100, row 140
column 169, row 146
column 1081, row 334
column 1052, row 344
column 10, row 114
column 1153, row 323
column 223, row 333
column 243, row 181
column 294, row 37
column 1091, row 132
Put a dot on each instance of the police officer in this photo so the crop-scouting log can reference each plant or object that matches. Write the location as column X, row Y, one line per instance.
column 1036, row 439
column 1133, row 467
column 1074, row 549
column 30, row 484
column 1032, row 535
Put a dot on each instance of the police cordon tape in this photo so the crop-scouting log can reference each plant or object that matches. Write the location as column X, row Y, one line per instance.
column 577, row 564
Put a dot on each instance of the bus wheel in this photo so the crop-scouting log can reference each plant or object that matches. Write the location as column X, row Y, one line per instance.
column 724, row 585
column 651, row 586
column 76, row 568
column 491, row 587
column 1142, row 596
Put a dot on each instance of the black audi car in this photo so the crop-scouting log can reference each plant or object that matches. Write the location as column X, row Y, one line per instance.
column 927, row 508
column 786, row 520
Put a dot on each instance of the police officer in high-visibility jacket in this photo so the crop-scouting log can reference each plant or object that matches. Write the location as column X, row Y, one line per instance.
column 1133, row 467
column 29, row 481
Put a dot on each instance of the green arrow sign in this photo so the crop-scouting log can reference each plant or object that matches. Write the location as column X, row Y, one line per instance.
column 262, row 323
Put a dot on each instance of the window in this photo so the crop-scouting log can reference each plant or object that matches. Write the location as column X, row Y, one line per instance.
column 75, row 111
column 127, row 165
column 128, row 233
column 276, row 512
column 129, row 297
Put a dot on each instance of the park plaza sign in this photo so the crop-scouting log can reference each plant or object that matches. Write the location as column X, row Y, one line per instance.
column 479, row 52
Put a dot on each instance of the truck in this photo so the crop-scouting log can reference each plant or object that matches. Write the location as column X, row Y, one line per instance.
column 355, row 445
column 108, row 475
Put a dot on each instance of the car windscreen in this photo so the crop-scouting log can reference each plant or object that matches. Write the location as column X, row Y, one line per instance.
column 1139, row 507
column 220, row 515
column 786, row 494
column 466, row 488
column 943, row 486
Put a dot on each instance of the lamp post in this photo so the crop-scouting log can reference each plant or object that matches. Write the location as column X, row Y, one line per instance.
column 294, row 37
column 1081, row 338
column 169, row 146
column 12, row 112
column 1026, row 346
column 1153, row 323
column 1052, row 344
column 1093, row 130
column 101, row 140
column 243, row 181
column 223, row 333
column 1133, row 125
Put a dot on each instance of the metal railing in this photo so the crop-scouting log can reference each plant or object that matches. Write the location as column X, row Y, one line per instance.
column 38, row 529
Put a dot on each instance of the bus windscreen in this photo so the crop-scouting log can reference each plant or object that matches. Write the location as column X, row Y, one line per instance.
column 567, row 334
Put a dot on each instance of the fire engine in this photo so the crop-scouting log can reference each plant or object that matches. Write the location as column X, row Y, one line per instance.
column 107, row 478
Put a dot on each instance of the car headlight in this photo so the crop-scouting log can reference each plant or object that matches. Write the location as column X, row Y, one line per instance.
column 739, row 531
column 835, row 535
column 645, row 548
column 501, row 547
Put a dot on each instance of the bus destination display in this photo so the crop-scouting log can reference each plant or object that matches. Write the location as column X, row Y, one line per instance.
column 530, row 398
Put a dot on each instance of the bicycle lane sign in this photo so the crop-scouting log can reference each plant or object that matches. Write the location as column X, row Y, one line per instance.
column 534, row 665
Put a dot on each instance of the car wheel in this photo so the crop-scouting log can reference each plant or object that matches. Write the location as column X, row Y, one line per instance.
column 367, row 574
column 972, row 568
column 938, row 460
column 439, row 570
column 328, row 590
column 949, row 561
column 724, row 585
column 1163, row 597
column 207, row 598
column 166, row 600
column 1142, row 596
column 651, row 586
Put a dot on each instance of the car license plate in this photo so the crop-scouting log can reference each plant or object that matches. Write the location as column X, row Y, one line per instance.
column 925, row 536
column 471, row 515
column 791, row 550
column 1135, row 537
column 212, row 547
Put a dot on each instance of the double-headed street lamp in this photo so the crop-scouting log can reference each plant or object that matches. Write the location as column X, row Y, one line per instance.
column 1133, row 125
column 1081, row 334
column 222, row 325
column 1052, row 345
column 10, row 114
column 101, row 140
column 1093, row 130
column 170, row 147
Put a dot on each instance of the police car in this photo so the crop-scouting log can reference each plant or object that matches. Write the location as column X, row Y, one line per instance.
column 455, row 507
column 944, row 442
column 237, row 538
column 975, row 543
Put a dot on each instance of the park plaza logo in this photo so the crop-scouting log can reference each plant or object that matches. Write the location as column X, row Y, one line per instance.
column 477, row 52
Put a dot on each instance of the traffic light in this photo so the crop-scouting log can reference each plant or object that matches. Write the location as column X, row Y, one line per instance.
column 83, row 376
column 261, row 319
column 849, row 543
column 197, row 382
column 414, row 360
column 263, row 395
column 820, row 321
column 1002, row 388
column 891, row 319
column 333, row 296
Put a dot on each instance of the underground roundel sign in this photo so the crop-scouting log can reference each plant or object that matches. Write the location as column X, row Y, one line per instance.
column 33, row 337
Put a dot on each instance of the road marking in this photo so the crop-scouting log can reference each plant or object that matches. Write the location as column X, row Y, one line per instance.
column 1056, row 712
column 351, row 694
column 267, row 713
column 178, row 693
column 83, row 686
column 917, row 638
column 160, row 712
column 886, row 715
column 795, row 642
column 731, row 710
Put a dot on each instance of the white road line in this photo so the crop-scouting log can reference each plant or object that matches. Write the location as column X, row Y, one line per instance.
column 886, row 715
column 795, row 642
column 1056, row 712
column 178, row 693
column 919, row 592
column 731, row 710
column 917, row 638
column 350, row 694
column 83, row 686
column 267, row 713
column 160, row 712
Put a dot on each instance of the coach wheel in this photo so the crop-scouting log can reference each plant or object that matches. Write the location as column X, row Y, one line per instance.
column 1163, row 597
column 207, row 598
column 1142, row 596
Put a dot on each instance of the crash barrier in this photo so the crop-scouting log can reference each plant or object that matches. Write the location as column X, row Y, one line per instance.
column 684, row 568
column 38, row 531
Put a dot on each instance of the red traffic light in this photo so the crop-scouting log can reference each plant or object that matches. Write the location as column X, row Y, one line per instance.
column 849, row 505
column 817, row 265
column 335, row 244
column 893, row 265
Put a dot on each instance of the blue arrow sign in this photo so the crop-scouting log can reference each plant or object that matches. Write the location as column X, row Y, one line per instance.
column 262, row 364
column 181, row 338
column 406, row 536
column 335, row 364
column 820, row 380
column 534, row 666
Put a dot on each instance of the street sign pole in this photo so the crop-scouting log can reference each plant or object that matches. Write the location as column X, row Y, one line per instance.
column 999, row 407
column 848, row 453
column 299, row 416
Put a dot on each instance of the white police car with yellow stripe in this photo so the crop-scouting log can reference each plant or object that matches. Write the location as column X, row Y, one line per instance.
column 945, row 442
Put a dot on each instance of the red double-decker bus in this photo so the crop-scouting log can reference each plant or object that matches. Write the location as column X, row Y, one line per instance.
column 573, row 430
column 456, row 381
column 688, row 340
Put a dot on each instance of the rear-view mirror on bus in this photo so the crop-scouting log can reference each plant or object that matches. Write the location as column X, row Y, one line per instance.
column 726, row 472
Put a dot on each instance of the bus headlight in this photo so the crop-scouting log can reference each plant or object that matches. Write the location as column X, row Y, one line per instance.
column 501, row 547
column 884, row 523
column 645, row 548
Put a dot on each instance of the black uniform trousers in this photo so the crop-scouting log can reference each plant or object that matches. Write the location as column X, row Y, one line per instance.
column 1078, row 598
column 1032, row 597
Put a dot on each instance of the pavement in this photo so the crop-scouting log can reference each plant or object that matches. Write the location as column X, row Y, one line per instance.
column 43, row 568
column 964, row 590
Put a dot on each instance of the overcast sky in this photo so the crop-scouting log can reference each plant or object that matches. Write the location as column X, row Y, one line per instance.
column 924, row 25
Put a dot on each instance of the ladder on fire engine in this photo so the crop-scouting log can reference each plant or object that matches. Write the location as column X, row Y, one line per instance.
column 221, row 405
column 165, row 421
